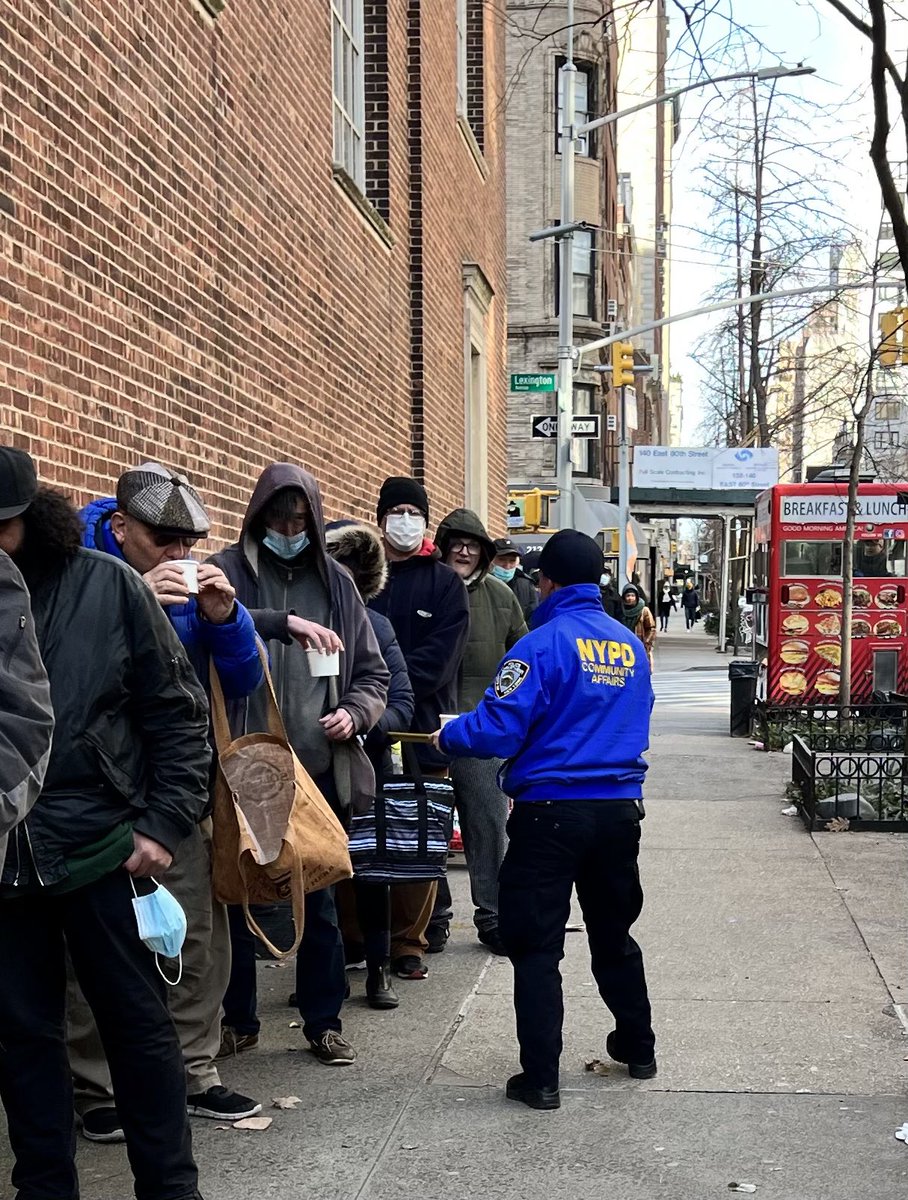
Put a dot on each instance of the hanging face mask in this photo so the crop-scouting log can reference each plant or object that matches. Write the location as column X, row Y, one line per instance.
column 405, row 531
column 162, row 926
column 284, row 546
column 505, row 574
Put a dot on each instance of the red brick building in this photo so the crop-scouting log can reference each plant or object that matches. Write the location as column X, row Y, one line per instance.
column 234, row 232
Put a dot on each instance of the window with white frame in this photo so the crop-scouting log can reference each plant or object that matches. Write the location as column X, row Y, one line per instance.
column 347, row 56
column 888, row 409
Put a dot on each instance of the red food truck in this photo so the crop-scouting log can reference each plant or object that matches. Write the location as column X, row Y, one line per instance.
column 797, row 579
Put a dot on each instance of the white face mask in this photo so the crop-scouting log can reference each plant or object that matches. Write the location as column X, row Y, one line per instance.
column 405, row 531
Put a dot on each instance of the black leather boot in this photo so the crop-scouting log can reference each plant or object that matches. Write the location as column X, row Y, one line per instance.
column 379, row 989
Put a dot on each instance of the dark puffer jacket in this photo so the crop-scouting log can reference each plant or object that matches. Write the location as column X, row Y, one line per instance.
column 496, row 618
column 131, row 735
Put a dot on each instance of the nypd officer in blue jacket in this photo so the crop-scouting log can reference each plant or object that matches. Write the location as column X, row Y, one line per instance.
column 570, row 710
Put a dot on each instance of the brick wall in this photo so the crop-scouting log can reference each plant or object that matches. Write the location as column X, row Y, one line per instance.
column 182, row 277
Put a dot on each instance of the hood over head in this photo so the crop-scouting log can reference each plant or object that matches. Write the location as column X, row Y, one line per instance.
column 358, row 547
column 272, row 480
column 465, row 522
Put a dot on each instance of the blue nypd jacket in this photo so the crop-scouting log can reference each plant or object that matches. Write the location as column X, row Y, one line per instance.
column 231, row 646
column 569, row 707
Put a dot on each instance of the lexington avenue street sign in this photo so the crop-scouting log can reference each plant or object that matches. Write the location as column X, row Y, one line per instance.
column 532, row 382
column 581, row 427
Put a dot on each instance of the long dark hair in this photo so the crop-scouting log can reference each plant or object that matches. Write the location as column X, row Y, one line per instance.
column 53, row 534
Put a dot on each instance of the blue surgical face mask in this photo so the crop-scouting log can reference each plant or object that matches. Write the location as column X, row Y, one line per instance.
column 284, row 546
column 162, row 925
column 505, row 574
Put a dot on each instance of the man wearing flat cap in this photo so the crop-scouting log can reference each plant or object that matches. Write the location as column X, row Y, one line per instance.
column 154, row 521
column 569, row 709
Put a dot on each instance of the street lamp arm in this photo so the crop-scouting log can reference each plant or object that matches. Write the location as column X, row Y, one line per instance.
column 704, row 309
column 667, row 97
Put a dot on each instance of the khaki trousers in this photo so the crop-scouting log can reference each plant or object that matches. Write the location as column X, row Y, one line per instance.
column 411, row 911
column 195, row 1003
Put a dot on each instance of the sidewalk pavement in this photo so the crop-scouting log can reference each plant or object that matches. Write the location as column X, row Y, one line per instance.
column 777, row 969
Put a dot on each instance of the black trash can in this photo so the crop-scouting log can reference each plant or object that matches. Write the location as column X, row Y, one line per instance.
column 742, row 674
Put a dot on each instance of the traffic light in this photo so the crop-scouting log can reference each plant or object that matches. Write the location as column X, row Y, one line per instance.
column 622, row 364
column 890, row 343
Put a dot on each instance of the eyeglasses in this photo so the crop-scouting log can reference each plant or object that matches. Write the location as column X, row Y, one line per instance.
column 465, row 547
column 404, row 510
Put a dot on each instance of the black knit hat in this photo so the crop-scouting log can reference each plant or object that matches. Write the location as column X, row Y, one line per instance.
column 570, row 557
column 401, row 489
column 163, row 500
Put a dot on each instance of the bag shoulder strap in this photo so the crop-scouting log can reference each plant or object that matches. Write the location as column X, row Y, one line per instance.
column 219, row 722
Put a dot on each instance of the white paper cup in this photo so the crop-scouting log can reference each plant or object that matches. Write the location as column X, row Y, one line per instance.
column 444, row 718
column 322, row 664
column 190, row 569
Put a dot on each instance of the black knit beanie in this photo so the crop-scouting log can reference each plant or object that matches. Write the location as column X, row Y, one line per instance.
column 401, row 489
column 570, row 557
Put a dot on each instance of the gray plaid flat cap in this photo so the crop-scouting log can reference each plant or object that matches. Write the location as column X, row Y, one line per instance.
column 162, row 499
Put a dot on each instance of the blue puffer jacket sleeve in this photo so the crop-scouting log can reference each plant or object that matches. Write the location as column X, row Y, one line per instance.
column 234, row 651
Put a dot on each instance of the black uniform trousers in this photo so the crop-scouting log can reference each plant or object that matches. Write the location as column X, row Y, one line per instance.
column 120, row 981
column 552, row 846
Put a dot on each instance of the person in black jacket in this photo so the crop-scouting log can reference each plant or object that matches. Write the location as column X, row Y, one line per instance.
column 126, row 782
column 428, row 606
column 358, row 548
column 506, row 567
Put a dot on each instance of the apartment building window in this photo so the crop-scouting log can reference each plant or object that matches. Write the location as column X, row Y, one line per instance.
column 349, row 115
column 888, row 410
column 583, row 107
column 470, row 37
column 583, row 286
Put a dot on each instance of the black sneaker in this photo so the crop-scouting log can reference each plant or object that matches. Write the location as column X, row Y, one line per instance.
column 492, row 939
column 221, row 1104
column 635, row 1070
column 533, row 1097
column 409, row 967
column 102, row 1125
column 332, row 1049
column 437, row 937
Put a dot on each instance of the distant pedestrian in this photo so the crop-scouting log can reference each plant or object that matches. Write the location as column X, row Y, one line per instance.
column 690, row 602
column 667, row 605
column 611, row 601
column 126, row 783
column 569, row 709
column 507, row 568
column 636, row 617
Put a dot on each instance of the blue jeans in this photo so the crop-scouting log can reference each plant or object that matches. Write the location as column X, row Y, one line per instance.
column 321, row 979
column 552, row 846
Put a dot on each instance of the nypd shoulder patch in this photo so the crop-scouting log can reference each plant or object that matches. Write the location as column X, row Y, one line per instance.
column 510, row 677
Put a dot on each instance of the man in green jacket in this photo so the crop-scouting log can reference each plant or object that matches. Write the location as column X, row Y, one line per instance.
column 496, row 623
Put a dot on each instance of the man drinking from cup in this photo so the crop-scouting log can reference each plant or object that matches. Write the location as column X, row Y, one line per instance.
column 153, row 523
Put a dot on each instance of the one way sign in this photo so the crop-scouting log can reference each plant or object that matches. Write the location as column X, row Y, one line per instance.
column 545, row 426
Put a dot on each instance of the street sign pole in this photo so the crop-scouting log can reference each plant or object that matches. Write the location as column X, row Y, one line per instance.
column 564, row 459
column 624, row 487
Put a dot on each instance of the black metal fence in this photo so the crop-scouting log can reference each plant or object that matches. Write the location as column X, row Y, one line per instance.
column 869, row 790
column 834, row 727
